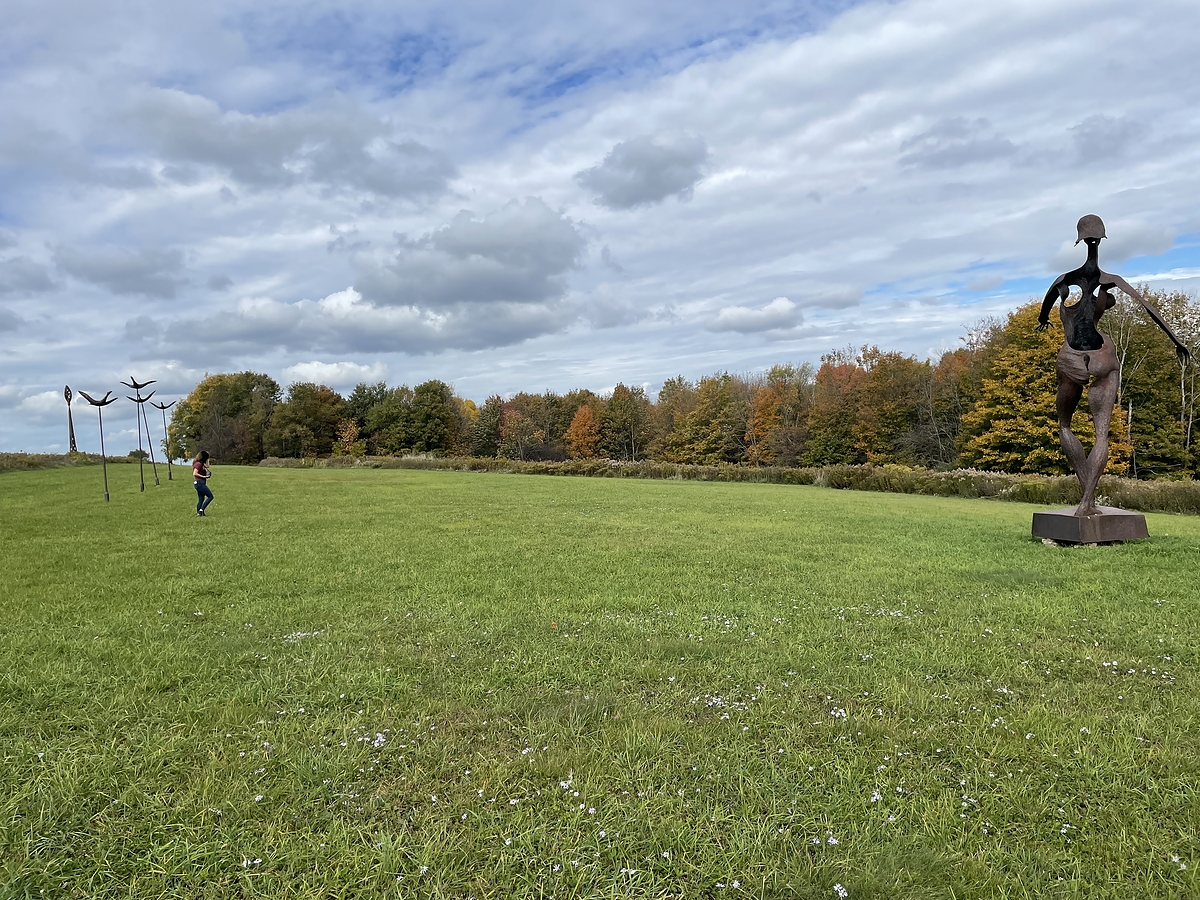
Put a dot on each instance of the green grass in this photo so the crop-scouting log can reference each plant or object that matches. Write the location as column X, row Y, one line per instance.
column 612, row 688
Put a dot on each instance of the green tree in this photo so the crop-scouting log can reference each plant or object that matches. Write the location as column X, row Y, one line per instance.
column 714, row 430
column 362, row 399
column 434, row 423
column 485, row 432
column 625, row 423
column 389, row 422
column 891, row 424
column 676, row 399
column 225, row 414
column 306, row 422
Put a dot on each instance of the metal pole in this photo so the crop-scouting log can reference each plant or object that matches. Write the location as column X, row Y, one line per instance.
column 139, row 400
column 103, row 459
column 149, row 442
column 100, row 404
column 167, row 438
column 141, row 466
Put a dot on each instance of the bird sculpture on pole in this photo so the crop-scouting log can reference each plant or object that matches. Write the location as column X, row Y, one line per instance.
column 163, row 407
column 100, row 404
column 141, row 414
column 70, row 422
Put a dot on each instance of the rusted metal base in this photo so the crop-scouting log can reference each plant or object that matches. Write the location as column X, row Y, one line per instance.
column 1110, row 525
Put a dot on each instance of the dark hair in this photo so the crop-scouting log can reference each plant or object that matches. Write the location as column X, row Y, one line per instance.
column 202, row 456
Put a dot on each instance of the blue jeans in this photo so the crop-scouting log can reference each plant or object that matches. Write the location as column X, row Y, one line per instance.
column 205, row 497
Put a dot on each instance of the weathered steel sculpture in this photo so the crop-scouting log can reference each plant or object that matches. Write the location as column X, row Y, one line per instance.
column 1088, row 355
column 163, row 407
column 100, row 404
column 70, row 422
column 141, row 414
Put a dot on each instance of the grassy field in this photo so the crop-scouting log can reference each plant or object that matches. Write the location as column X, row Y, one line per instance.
column 429, row 684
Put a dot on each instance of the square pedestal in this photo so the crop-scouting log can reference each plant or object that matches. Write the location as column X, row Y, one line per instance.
column 1110, row 524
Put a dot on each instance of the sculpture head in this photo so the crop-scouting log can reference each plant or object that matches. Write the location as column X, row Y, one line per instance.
column 1090, row 227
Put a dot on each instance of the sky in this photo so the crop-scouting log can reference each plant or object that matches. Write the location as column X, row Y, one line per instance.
column 555, row 195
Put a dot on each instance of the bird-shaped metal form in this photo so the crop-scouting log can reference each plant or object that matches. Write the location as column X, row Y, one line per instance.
column 141, row 415
column 100, row 404
column 166, row 437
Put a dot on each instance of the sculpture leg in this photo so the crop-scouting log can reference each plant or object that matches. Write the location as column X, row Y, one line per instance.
column 1101, row 397
column 1069, row 394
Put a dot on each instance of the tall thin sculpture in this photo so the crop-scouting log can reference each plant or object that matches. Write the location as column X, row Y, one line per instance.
column 141, row 415
column 100, row 404
column 70, row 422
column 1088, row 355
column 166, row 437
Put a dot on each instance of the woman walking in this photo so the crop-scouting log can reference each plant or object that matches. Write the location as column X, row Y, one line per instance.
column 200, row 476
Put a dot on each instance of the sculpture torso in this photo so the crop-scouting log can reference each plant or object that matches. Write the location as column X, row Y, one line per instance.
column 1081, row 318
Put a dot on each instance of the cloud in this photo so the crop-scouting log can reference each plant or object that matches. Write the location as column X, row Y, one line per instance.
column 519, row 254
column 1102, row 137
column 145, row 272
column 833, row 298
column 344, row 322
column 219, row 283
column 142, row 328
column 780, row 313
column 336, row 374
column 646, row 170
column 20, row 275
column 43, row 406
column 956, row 142
column 9, row 320
column 985, row 283
column 336, row 144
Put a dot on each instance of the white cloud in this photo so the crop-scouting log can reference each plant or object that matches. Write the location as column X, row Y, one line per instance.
column 780, row 313
column 43, row 405
column 336, row 374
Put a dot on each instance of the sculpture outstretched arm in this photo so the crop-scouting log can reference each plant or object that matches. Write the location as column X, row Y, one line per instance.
column 1116, row 280
column 1058, row 291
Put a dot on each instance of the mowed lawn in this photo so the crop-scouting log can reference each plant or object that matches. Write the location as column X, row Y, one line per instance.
column 434, row 684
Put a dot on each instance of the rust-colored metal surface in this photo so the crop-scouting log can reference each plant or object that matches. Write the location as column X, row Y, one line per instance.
column 1088, row 360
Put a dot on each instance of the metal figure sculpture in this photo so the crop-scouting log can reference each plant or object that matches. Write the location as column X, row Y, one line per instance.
column 100, row 404
column 1088, row 354
column 141, row 414
column 166, row 437
column 70, row 422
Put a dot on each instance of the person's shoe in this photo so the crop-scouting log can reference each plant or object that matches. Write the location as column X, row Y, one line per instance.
column 200, row 512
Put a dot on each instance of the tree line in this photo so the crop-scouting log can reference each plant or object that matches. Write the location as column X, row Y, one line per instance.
column 988, row 405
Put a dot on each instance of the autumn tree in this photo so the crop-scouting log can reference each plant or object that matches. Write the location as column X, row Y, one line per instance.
column 519, row 434
column 583, row 435
column 833, row 414
column 762, row 422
